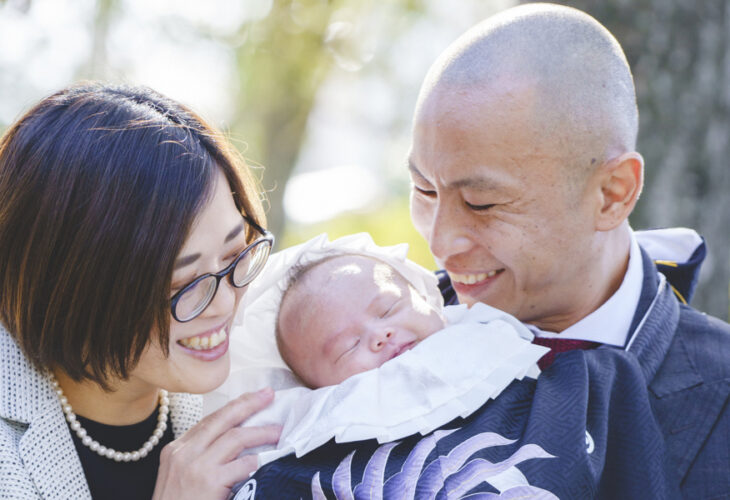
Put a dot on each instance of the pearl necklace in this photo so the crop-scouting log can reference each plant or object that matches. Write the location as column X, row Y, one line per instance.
column 119, row 456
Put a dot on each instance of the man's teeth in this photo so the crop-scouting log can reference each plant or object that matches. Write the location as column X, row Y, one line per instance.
column 204, row 343
column 470, row 279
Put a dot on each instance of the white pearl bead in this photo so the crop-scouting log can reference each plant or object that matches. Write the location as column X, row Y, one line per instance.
column 97, row 447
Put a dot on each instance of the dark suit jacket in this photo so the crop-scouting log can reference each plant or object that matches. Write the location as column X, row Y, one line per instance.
column 688, row 374
column 690, row 396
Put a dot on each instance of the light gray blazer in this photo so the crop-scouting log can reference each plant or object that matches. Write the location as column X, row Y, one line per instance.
column 37, row 455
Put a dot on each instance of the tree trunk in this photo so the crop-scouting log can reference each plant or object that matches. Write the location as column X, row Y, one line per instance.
column 679, row 52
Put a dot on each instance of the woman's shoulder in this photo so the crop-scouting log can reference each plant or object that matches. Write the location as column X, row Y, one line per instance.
column 186, row 410
column 16, row 482
column 24, row 390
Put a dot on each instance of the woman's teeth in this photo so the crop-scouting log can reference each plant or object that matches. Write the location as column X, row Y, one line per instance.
column 204, row 343
column 470, row 279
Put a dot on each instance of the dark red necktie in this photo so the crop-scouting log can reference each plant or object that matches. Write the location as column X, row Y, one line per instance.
column 560, row 345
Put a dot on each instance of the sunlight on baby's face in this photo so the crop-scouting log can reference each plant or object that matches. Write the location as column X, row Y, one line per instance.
column 348, row 315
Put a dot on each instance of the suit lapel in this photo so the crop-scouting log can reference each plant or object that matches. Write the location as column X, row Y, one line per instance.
column 686, row 406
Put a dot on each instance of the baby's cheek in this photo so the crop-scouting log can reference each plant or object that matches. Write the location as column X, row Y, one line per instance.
column 418, row 303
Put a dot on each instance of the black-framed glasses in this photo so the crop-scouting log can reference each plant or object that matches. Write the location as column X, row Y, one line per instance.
column 188, row 303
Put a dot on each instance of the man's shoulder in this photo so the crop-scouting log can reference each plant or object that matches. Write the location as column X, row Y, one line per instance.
column 706, row 340
column 691, row 391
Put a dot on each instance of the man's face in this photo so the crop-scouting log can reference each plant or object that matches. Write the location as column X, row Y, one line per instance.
column 349, row 315
column 491, row 197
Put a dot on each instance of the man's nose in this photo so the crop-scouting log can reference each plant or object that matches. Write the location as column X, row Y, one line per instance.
column 379, row 339
column 448, row 235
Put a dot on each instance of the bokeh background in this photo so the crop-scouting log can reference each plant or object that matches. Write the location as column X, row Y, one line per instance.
column 318, row 96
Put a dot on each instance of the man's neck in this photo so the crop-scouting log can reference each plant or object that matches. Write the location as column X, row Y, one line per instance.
column 601, row 279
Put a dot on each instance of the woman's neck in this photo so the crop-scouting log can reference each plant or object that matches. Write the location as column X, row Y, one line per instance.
column 128, row 403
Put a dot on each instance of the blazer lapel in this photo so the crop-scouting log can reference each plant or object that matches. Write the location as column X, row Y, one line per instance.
column 50, row 456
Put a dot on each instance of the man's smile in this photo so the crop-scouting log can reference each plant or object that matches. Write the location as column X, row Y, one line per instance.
column 473, row 278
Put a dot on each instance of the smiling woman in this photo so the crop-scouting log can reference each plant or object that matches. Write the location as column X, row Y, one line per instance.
column 118, row 210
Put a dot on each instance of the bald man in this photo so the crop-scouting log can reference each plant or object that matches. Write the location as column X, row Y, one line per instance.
column 525, row 170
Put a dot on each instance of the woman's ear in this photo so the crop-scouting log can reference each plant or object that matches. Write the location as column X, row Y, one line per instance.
column 621, row 180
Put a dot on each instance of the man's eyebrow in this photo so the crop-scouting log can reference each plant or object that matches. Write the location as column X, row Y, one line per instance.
column 480, row 183
column 415, row 172
column 189, row 259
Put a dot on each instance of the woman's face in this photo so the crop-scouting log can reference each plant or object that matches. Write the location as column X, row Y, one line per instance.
column 217, row 237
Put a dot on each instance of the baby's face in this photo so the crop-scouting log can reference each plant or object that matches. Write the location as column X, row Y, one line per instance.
column 349, row 315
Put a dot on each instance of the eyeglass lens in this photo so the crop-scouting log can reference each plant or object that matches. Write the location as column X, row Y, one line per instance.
column 195, row 299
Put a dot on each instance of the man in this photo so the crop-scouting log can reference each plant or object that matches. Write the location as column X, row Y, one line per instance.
column 525, row 170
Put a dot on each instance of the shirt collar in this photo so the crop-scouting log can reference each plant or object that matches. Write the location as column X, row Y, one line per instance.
column 610, row 323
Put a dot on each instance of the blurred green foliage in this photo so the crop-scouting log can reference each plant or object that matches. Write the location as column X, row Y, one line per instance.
column 389, row 224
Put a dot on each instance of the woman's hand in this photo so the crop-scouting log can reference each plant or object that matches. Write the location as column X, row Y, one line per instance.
column 204, row 462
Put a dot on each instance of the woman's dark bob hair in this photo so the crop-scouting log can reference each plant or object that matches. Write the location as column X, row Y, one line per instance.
column 99, row 188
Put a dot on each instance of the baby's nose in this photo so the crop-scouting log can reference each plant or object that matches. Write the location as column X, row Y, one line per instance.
column 380, row 339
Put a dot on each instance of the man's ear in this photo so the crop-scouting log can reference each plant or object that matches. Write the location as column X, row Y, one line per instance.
column 621, row 180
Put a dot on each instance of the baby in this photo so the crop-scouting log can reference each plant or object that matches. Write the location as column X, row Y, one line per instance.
column 346, row 314
column 357, row 344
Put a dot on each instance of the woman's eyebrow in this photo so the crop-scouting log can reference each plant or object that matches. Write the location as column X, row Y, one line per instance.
column 189, row 259
column 186, row 261
column 234, row 232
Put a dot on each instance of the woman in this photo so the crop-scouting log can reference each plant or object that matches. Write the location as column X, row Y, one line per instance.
column 128, row 233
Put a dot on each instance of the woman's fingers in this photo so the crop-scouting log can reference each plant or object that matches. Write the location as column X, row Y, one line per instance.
column 235, row 441
column 201, row 465
column 239, row 469
column 214, row 425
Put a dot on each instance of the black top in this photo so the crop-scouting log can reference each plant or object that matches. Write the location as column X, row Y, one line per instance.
column 109, row 480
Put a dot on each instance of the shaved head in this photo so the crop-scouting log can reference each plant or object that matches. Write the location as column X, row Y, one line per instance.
column 569, row 71
column 523, row 164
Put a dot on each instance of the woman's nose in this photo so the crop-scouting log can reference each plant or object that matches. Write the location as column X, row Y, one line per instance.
column 224, row 300
column 379, row 339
